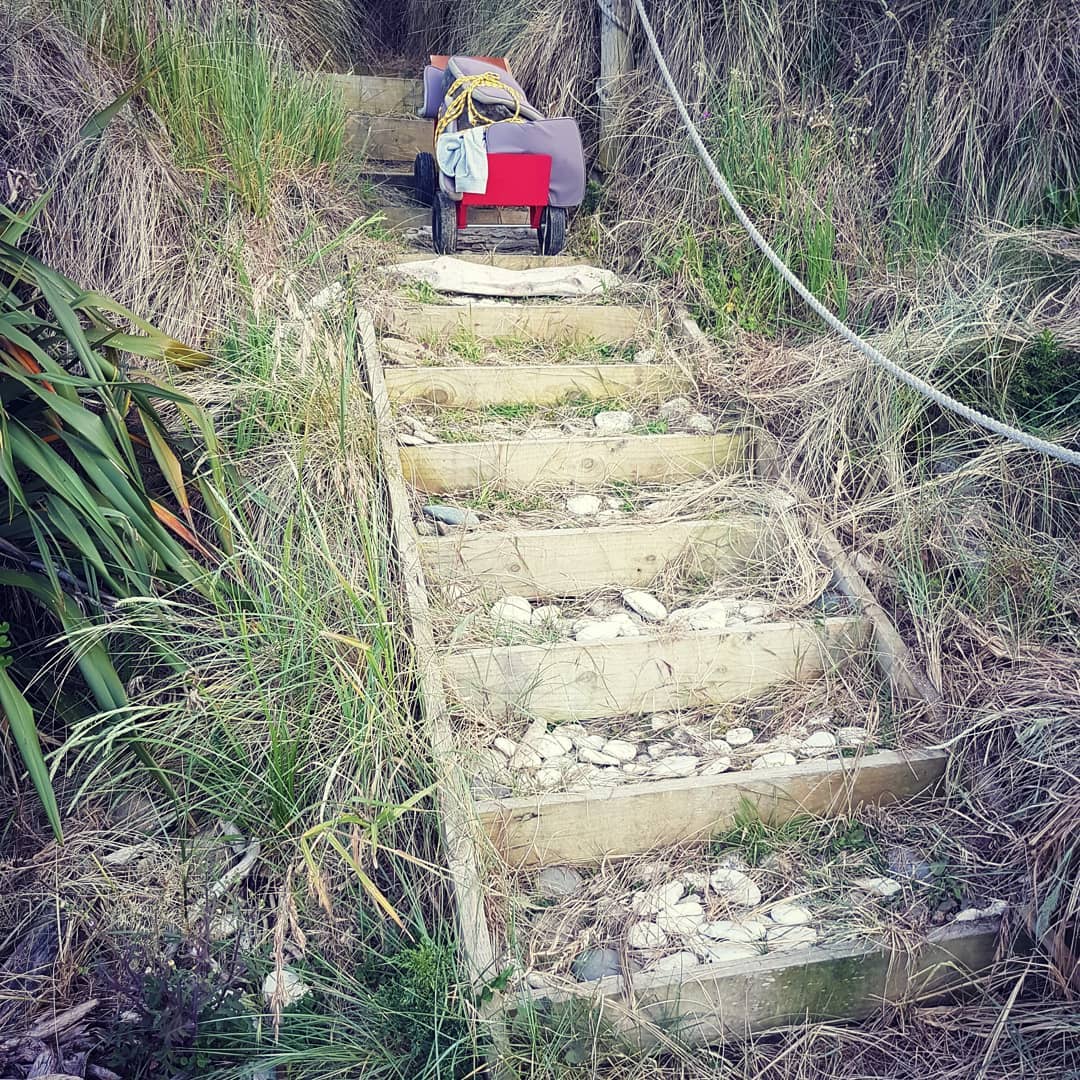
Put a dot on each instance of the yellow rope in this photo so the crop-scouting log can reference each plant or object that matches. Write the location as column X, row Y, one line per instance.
column 460, row 96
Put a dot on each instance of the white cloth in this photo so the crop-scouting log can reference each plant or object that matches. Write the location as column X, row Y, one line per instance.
column 463, row 155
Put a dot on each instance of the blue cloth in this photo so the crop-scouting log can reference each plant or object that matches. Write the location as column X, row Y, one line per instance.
column 463, row 155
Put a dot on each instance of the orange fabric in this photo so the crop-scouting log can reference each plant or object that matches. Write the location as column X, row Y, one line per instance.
column 440, row 62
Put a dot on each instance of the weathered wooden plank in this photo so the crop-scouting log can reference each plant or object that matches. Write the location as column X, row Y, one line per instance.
column 475, row 386
column 581, row 462
column 610, row 323
column 629, row 819
column 574, row 562
column 570, row 681
column 387, row 138
column 377, row 95
column 508, row 261
column 461, row 832
column 401, row 218
column 718, row 1002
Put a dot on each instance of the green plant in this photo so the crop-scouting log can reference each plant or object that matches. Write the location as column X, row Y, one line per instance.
column 88, row 464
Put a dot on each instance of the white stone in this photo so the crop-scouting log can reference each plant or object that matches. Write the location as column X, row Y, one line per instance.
column 587, row 741
column 657, row 898
column 620, row 749
column 646, row 356
column 700, row 424
column 720, row 747
column 739, row 736
column 583, row 505
column 715, row 768
column 818, row 743
column 723, row 952
column 774, row 759
column 549, row 615
column 564, row 741
column 684, row 918
column 547, row 746
column 751, row 611
column 426, row 528
column 741, row 930
column 615, row 422
column 991, row 911
column 878, row 886
column 852, row 736
column 633, row 768
column 786, row 938
column 548, row 779
column 645, row 604
column 286, row 986
column 735, row 887
column 490, row 762
column 787, row 913
column 695, row 879
column 677, row 408
column 661, row 721
column 597, row 757
column 571, row 731
column 505, row 746
column 659, row 749
column 675, row 964
column 599, row 631
column 524, row 758
column 675, row 766
column 702, row 618
column 512, row 609
column 646, row 935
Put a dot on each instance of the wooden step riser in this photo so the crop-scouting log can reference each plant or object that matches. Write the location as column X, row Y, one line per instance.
column 628, row 676
column 719, row 1002
column 578, row 463
column 377, row 95
column 548, row 563
column 405, row 218
column 507, row 261
column 475, row 386
column 387, row 138
column 631, row 819
column 569, row 323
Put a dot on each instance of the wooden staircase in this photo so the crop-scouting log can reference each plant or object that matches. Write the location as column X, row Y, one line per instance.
column 492, row 836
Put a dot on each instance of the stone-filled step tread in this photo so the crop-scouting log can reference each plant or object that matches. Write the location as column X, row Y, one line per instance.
column 575, row 562
column 571, row 681
column 475, row 386
column 578, row 461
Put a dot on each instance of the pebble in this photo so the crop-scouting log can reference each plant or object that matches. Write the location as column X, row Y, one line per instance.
column 451, row 515
column 878, row 886
column 685, row 918
column 547, row 746
column 548, row 615
column 661, row 721
column 676, row 766
column 735, row 887
column 715, row 768
column 645, row 604
column 646, row 356
column 695, row 880
column 597, row 757
column 646, row 935
column 677, row 408
column 621, row 750
column 818, row 744
column 699, row 424
column 852, row 736
column 549, row 778
column 601, row 631
column 657, row 898
column 595, row 964
column 739, row 736
column 752, row 611
column 583, row 505
column 774, row 759
column 525, row 758
column 564, row 741
column 786, row 938
column 740, row 930
column 633, row 768
column 615, row 422
column 556, row 882
column 585, row 741
column 785, row 913
column 991, row 911
column 505, row 746
column 286, row 986
column 719, row 747
column 512, row 609
column 675, row 964
column 659, row 749
column 721, row 952
column 702, row 618
column 490, row 762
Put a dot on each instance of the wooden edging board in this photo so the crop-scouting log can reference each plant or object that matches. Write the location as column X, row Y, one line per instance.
column 569, row 681
column 610, row 323
column 575, row 562
column 376, row 95
column 515, row 464
column 475, row 386
column 388, row 138
column 631, row 819
column 460, row 830
column 736, row 1000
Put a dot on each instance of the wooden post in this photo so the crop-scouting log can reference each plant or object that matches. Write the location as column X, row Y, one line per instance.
column 615, row 62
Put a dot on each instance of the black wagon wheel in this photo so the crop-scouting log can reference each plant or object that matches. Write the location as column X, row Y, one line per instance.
column 551, row 234
column 424, row 178
column 444, row 230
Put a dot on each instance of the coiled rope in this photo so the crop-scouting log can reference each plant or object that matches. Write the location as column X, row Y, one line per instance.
column 460, row 96
column 1032, row 442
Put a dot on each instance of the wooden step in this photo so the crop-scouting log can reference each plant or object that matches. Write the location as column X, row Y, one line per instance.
column 377, row 95
column 508, row 261
column 629, row 819
column 474, row 386
column 402, row 218
column 570, row 462
column 575, row 562
column 613, row 324
column 715, row 1003
column 568, row 681
column 387, row 138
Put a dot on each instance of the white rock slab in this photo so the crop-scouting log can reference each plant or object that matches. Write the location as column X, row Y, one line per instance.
column 726, row 952
column 583, row 505
column 788, row 913
column 512, row 609
column 774, row 759
column 788, row 938
column 657, row 898
column 739, row 736
column 646, row 935
column 878, row 886
column 599, row 631
column 684, row 918
column 645, row 604
column 739, row 930
column 597, row 757
column 615, row 422
column 446, row 274
column 675, row 964
column 716, row 767
column 620, row 749
column 735, row 887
